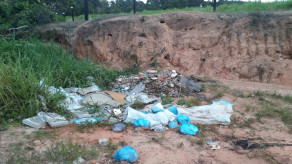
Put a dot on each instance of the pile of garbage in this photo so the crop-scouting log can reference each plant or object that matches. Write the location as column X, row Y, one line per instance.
column 115, row 106
column 157, row 83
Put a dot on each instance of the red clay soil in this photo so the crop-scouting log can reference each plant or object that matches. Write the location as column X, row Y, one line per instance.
column 247, row 46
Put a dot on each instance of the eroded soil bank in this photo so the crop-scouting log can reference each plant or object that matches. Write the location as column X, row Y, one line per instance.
column 246, row 46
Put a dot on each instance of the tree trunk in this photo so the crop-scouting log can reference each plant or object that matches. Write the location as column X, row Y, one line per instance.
column 86, row 9
column 134, row 6
column 214, row 6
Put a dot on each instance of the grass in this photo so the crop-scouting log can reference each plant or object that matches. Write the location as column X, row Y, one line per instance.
column 138, row 105
column 272, row 110
column 166, row 100
column 224, row 8
column 189, row 102
column 23, row 63
column 59, row 152
column 217, row 90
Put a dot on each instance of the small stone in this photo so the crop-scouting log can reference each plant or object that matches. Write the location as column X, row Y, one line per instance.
column 171, row 85
column 250, row 155
column 37, row 142
column 103, row 141
column 118, row 127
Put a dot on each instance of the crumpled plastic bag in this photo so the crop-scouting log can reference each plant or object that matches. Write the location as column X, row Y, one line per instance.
column 183, row 119
column 173, row 110
column 216, row 113
column 172, row 125
column 126, row 153
column 188, row 129
column 130, row 115
column 141, row 122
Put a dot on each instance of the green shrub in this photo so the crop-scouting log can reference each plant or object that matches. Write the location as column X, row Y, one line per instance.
column 24, row 63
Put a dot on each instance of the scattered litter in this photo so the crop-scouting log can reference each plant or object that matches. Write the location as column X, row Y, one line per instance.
column 81, row 114
column 190, row 84
column 141, row 122
column 151, row 71
column 119, row 97
column 99, row 99
column 79, row 161
column 216, row 113
column 172, row 125
column 87, row 120
column 143, row 111
column 188, row 129
column 117, row 112
column 265, row 99
column 141, row 97
column 53, row 119
column 91, row 89
column 130, row 115
column 103, row 141
column 34, row 122
column 226, row 102
column 126, row 153
column 214, row 145
column 157, row 108
column 118, row 127
column 173, row 110
column 158, row 128
column 183, row 119
column 139, row 88
column 157, row 83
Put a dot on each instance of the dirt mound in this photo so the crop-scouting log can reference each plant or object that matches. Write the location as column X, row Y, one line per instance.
column 246, row 46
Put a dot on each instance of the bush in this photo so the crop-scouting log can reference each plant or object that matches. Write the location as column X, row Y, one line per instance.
column 24, row 63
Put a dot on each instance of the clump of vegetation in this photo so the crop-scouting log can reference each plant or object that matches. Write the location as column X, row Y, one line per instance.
column 60, row 152
column 24, row 63
column 217, row 89
column 138, row 105
column 166, row 100
column 272, row 110
column 189, row 102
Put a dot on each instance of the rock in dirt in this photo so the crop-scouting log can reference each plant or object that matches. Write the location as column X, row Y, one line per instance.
column 103, row 141
column 118, row 127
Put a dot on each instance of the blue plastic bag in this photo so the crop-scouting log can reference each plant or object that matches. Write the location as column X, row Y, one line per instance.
column 86, row 120
column 126, row 153
column 141, row 122
column 143, row 111
column 156, row 109
column 188, row 129
column 225, row 102
column 183, row 119
column 172, row 125
column 173, row 110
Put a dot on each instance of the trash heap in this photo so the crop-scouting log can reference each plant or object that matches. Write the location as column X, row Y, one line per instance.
column 157, row 83
column 114, row 106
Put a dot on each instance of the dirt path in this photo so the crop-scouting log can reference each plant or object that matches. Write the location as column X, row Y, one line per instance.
column 253, row 86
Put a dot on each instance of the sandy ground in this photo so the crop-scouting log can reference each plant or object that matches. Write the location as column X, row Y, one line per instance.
column 171, row 147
